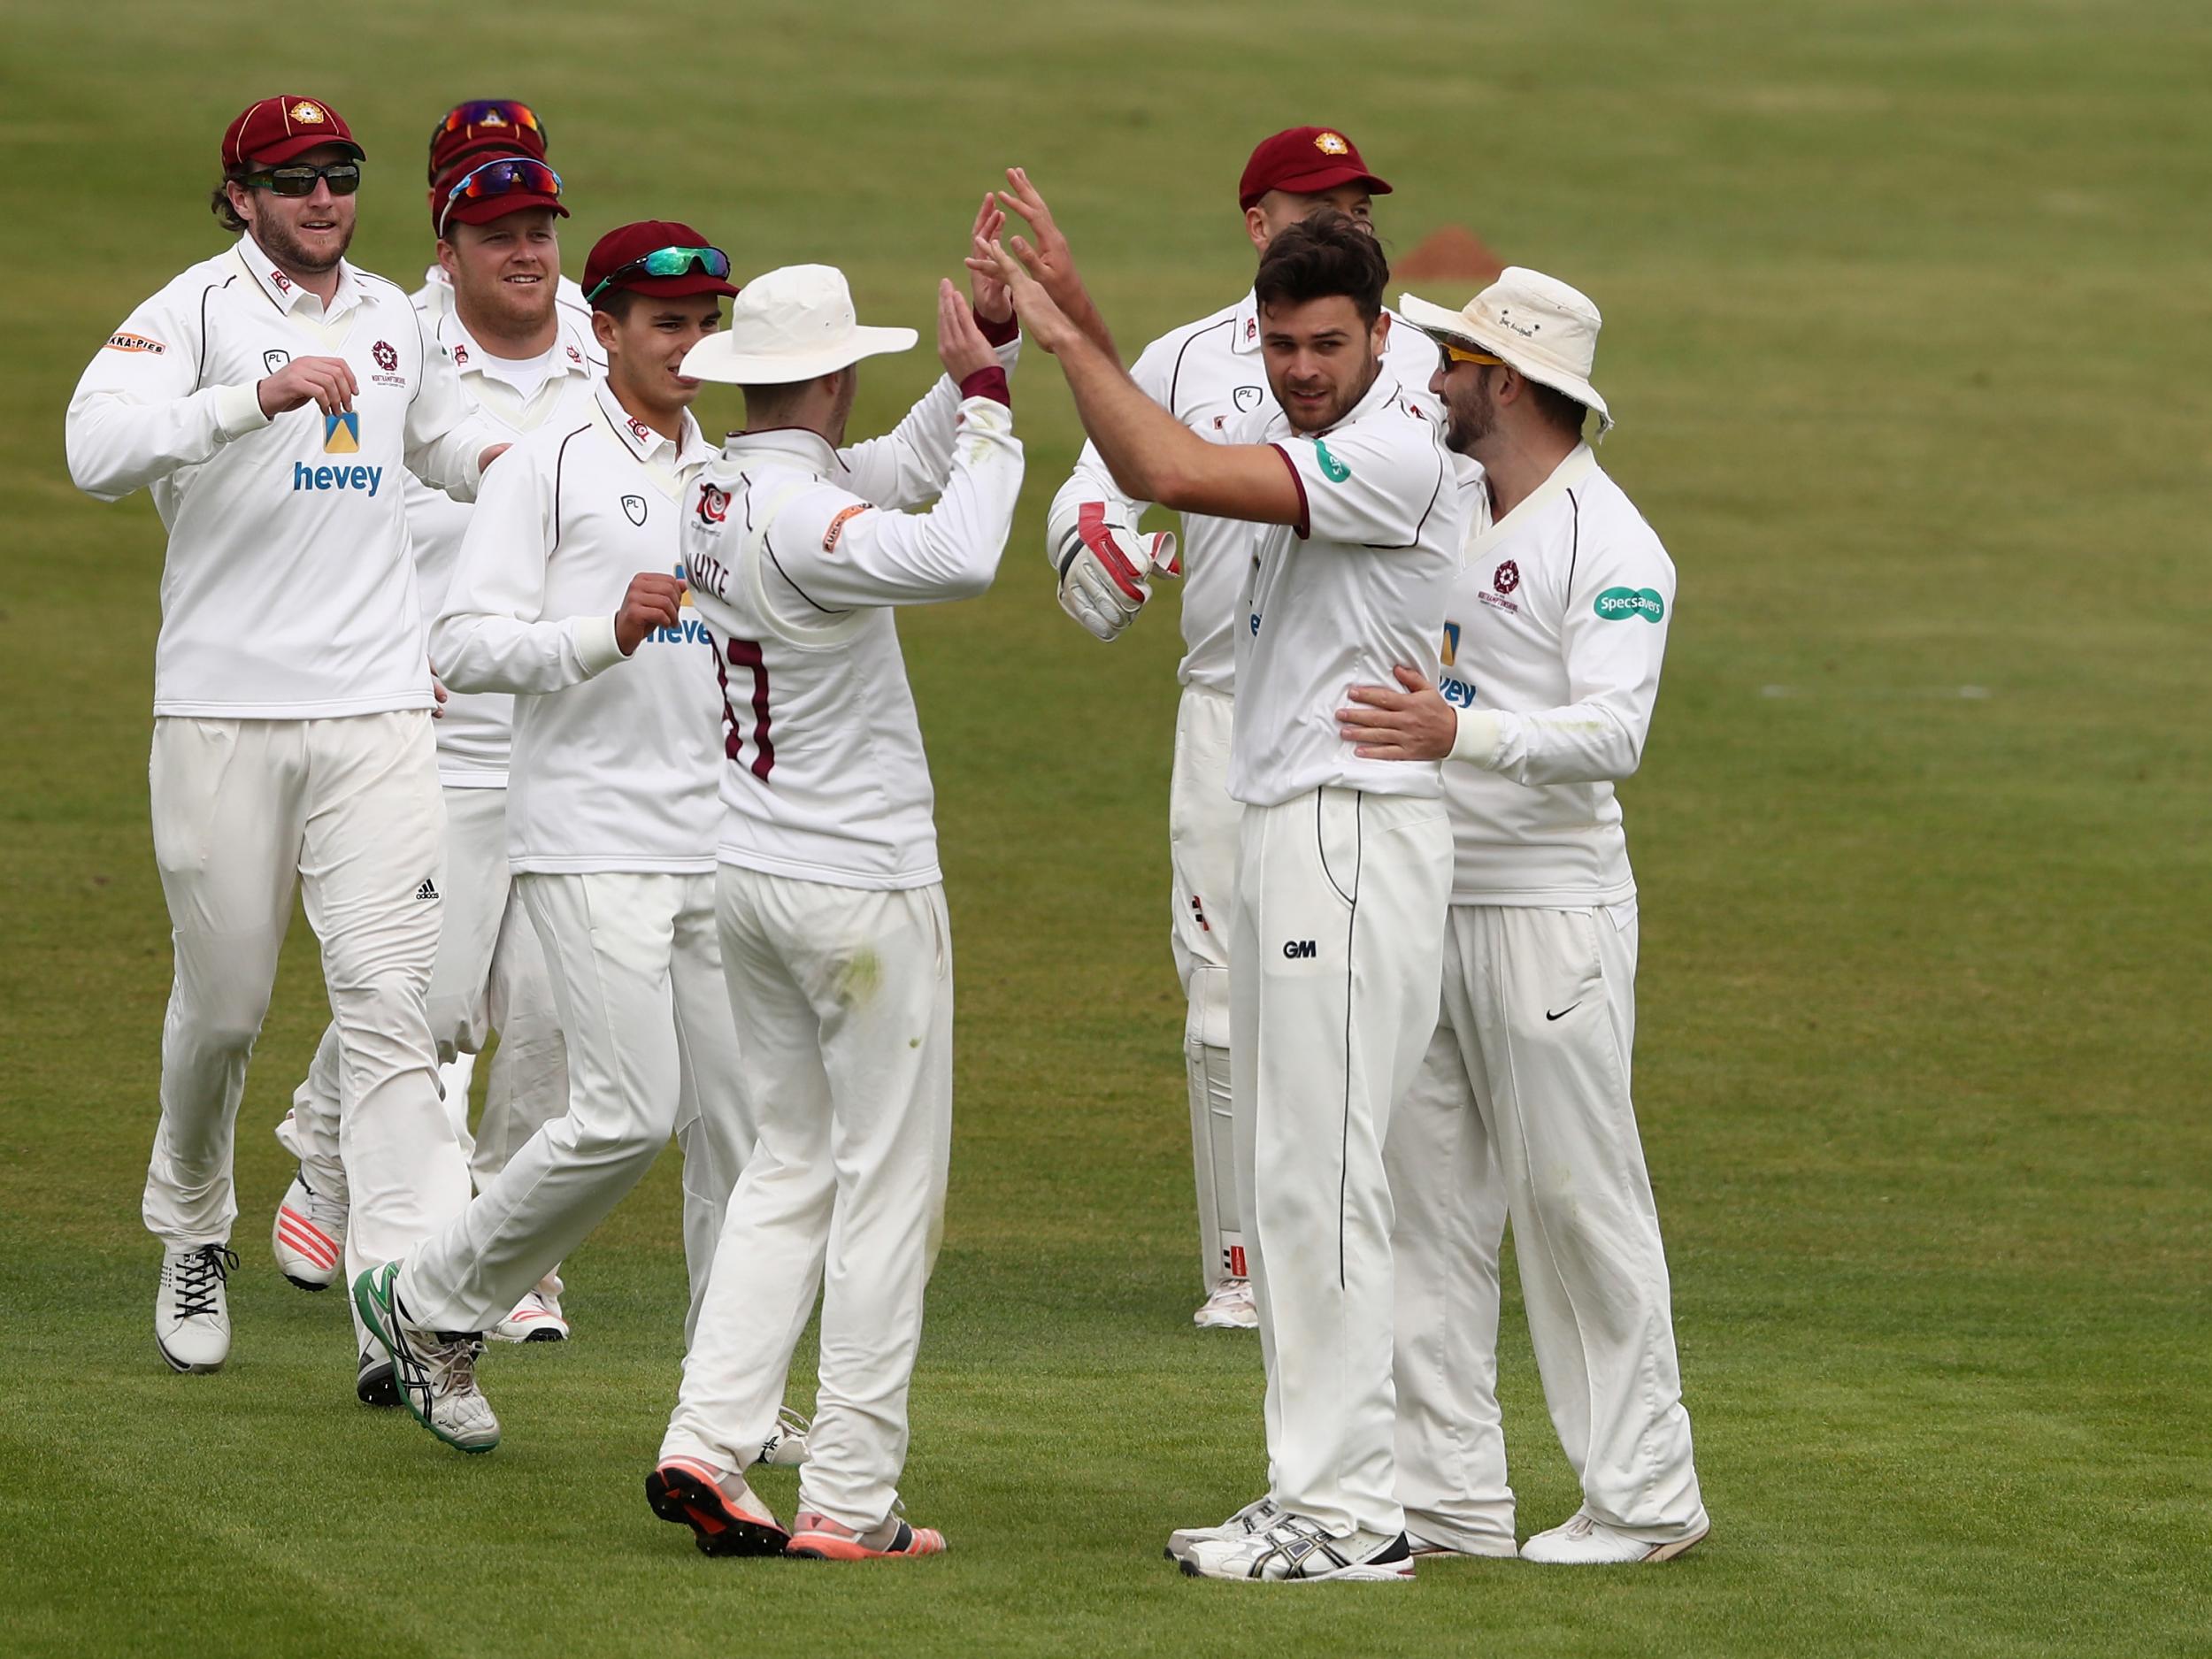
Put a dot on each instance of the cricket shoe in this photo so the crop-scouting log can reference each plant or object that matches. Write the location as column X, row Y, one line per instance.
column 536, row 1318
column 1230, row 1307
column 434, row 1371
column 373, row 1383
column 310, row 1235
column 1584, row 1541
column 725, row 1516
column 815, row 1537
column 1254, row 1517
column 191, row 1317
column 1489, row 1549
column 785, row 1445
column 1295, row 1550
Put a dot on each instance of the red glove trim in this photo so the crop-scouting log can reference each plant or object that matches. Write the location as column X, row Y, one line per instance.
column 1090, row 528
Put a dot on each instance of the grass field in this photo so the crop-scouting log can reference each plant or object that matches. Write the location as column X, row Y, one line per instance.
column 1909, row 325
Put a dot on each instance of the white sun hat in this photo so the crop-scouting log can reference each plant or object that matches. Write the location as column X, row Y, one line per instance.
column 792, row 324
column 1536, row 323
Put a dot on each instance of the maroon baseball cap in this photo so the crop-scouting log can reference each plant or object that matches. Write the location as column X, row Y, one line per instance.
column 272, row 131
column 481, row 189
column 491, row 126
column 627, row 244
column 1307, row 160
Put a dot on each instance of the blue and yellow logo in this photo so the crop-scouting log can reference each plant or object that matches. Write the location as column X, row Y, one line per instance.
column 1450, row 652
column 342, row 433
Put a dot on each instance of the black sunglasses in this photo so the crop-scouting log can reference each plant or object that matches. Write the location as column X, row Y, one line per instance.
column 342, row 177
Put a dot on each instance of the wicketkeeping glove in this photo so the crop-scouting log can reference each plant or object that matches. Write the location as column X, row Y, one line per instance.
column 1105, row 564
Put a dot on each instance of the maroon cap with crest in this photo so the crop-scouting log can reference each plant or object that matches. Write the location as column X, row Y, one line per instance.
column 628, row 243
column 490, row 127
column 272, row 131
column 1306, row 161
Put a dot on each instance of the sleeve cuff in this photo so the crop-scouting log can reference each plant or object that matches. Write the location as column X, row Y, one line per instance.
column 596, row 647
column 1304, row 526
column 989, row 383
column 998, row 333
column 1480, row 739
column 238, row 409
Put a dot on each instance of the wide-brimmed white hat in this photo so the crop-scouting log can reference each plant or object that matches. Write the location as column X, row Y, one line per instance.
column 791, row 325
column 1536, row 323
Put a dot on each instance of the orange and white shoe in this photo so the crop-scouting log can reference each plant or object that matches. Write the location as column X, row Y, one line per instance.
column 817, row 1538
column 723, row 1514
column 309, row 1238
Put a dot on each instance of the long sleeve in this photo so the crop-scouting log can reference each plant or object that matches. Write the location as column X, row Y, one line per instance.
column 138, row 414
column 908, row 465
column 1618, row 606
column 840, row 554
column 492, row 634
column 445, row 434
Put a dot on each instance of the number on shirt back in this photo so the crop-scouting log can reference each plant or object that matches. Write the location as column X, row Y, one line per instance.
column 746, row 654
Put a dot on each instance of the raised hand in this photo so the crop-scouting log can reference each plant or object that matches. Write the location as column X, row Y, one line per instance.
column 654, row 601
column 960, row 346
column 1042, row 322
column 327, row 382
column 1050, row 259
column 986, row 292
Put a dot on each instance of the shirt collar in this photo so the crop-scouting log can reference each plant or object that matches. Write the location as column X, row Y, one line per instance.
column 1247, row 337
column 645, row 445
column 810, row 450
column 469, row 356
column 286, row 295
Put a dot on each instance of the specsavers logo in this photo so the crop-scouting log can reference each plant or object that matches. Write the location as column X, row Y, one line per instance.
column 1332, row 469
column 1617, row 604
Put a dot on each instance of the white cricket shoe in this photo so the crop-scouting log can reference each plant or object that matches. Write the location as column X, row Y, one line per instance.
column 1489, row 1549
column 1230, row 1307
column 191, row 1317
column 372, row 1384
column 1295, row 1550
column 785, row 1445
column 435, row 1371
column 1254, row 1516
column 310, row 1235
column 536, row 1318
column 1582, row 1541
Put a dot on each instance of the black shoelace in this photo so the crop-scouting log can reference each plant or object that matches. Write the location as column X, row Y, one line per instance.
column 200, row 1276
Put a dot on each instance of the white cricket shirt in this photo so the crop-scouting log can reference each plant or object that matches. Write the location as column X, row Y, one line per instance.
column 287, row 592
column 613, row 766
column 1209, row 374
column 477, row 727
column 1345, row 596
column 1557, row 626
column 799, row 554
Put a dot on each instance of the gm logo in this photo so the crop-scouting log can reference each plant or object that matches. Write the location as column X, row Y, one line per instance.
column 1294, row 948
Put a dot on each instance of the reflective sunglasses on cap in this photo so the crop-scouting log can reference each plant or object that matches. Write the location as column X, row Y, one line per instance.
column 666, row 262
column 299, row 179
column 1463, row 354
column 488, row 113
column 504, row 177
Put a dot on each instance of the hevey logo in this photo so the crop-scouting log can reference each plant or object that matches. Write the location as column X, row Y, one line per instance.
column 365, row 479
column 714, row 505
column 1617, row 604
column 135, row 342
column 1332, row 469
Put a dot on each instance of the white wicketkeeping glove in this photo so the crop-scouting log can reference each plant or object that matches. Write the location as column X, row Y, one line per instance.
column 1105, row 564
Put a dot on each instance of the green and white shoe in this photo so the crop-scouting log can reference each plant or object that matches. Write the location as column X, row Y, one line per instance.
column 435, row 1371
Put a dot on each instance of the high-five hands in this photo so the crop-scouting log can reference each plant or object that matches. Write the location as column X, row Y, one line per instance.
column 993, row 303
column 960, row 346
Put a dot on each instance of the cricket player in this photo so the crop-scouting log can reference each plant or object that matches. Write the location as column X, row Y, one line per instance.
column 1343, row 863
column 490, row 128
column 1209, row 375
column 567, row 594
column 525, row 362
column 832, row 907
column 1550, row 669
column 271, row 398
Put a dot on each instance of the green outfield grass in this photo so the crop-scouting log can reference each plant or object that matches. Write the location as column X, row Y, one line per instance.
column 1909, row 327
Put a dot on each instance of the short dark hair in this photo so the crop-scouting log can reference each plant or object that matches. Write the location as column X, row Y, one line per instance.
column 219, row 200
column 1557, row 409
column 1318, row 257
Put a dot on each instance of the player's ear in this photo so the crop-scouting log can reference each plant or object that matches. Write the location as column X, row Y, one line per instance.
column 1255, row 227
column 602, row 329
column 448, row 259
column 1380, row 337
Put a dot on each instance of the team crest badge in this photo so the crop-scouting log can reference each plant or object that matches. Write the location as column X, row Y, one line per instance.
column 1248, row 399
column 713, row 503
column 342, row 433
column 386, row 359
column 273, row 360
column 633, row 507
column 1508, row 577
column 308, row 114
column 1331, row 144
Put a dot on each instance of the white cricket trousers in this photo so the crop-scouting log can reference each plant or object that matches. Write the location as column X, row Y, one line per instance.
column 489, row 976
column 637, row 978
column 847, row 995
column 1334, row 969
column 1523, row 1104
column 348, row 811
column 1201, row 832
